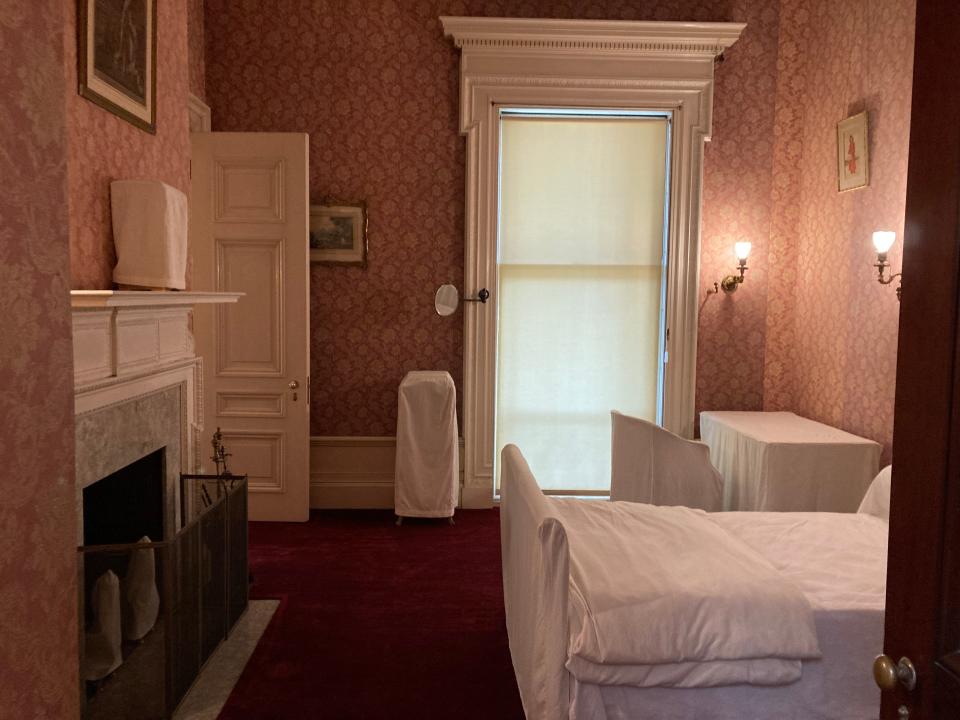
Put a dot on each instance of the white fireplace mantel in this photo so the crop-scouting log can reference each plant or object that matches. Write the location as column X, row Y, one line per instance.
column 119, row 334
column 134, row 347
column 84, row 299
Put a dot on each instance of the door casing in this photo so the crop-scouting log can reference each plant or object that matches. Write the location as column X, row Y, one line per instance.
column 604, row 65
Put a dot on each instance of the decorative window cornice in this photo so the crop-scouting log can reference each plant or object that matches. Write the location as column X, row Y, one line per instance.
column 601, row 36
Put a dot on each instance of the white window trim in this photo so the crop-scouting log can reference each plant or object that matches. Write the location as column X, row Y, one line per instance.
column 589, row 64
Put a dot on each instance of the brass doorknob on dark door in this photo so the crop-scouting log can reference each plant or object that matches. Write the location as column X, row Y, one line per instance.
column 293, row 385
column 887, row 673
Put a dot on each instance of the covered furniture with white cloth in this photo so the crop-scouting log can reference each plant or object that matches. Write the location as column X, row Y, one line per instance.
column 783, row 462
column 652, row 465
column 150, row 234
column 427, row 477
column 624, row 610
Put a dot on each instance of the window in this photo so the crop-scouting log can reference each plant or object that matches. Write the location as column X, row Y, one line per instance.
column 581, row 278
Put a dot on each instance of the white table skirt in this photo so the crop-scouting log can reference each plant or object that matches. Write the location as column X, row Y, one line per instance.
column 778, row 461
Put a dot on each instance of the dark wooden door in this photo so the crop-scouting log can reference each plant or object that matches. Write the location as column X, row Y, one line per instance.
column 923, row 578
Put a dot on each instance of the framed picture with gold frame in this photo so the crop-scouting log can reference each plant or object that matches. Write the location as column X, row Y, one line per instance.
column 853, row 163
column 338, row 234
column 117, row 58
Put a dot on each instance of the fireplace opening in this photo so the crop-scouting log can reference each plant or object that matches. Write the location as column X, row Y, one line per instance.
column 125, row 506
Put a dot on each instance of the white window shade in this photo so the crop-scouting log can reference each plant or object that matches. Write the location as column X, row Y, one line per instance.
column 580, row 277
column 583, row 191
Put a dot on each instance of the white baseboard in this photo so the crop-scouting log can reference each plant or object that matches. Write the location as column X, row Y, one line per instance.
column 476, row 498
column 355, row 472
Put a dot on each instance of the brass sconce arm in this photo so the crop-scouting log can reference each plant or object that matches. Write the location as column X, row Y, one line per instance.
column 730, row 282
column 881, row 265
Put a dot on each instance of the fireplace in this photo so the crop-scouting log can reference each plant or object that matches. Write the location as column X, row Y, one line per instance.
column 194, row 590
column 139, row 418
column 127, row 504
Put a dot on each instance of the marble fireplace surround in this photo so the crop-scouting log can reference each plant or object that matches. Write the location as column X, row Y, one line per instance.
column 137, row 383
column 112, row 437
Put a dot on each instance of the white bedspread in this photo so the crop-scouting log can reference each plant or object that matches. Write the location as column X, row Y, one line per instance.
column 688, row 604
column 839, row 562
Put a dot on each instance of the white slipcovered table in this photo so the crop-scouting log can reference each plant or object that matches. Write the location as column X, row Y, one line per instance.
column 427, row 477
column 780, row 461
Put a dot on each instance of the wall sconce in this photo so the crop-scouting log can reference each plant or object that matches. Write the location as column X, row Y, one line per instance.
column 730, row 282
column 883, row 240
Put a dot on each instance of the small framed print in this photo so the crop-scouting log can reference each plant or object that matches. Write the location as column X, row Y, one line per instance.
column 338, row 234
column 853, row 163
column 117, row 58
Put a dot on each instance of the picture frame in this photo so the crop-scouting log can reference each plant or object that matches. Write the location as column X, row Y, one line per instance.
column 117, row 58
column 853, row 161
column 338, row 234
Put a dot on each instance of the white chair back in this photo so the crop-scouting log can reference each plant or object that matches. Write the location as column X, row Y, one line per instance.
column 652, row 465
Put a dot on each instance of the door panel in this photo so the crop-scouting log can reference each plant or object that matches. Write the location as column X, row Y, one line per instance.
column 254, row 267
column 923, row 594
column 248, row 225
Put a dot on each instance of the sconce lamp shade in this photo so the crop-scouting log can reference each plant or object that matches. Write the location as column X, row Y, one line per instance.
column 743, row 250
column 883, row 240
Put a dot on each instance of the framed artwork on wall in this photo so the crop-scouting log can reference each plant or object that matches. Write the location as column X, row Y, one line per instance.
column 117, row 58
column 853, row 164
column 338, row 234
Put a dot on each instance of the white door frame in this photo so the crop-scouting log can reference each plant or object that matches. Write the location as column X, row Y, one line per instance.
column 587, row 64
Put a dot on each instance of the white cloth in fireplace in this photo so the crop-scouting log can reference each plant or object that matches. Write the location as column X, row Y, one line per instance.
column 428, row 465
column 101, row 651
column 141, row 601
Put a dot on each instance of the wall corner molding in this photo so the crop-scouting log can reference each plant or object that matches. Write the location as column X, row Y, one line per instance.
column 199, row 114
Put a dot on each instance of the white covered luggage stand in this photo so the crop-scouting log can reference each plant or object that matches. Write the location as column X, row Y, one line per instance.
column 428, row 464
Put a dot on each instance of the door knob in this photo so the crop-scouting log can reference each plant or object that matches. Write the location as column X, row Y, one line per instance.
column 887, row 673
column 293, row 385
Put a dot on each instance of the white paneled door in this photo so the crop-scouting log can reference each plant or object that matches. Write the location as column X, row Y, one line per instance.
column 249, row 213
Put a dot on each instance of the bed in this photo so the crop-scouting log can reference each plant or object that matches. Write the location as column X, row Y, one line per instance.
column 556, row 584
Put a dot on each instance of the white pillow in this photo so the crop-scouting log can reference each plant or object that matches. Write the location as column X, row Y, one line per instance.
column 877, row 500
column 141, row 601
column 101, row 655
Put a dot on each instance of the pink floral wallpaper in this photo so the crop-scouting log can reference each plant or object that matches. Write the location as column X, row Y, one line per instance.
column 839, row 345
column 38, row 600
column 375, row 85
column 737, row 181
column 780, row 330
column 103, row 147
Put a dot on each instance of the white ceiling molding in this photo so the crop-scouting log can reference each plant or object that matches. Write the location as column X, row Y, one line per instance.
column 661, row 66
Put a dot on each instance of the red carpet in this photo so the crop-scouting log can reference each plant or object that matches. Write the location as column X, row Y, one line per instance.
column 378, row 621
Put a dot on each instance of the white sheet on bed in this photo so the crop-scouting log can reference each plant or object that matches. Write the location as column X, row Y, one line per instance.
column 839, row 562
column 656, row 592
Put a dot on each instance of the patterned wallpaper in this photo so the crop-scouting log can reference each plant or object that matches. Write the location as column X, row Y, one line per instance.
column 375, row 85
column 38, row 606
column 737, row 179
column 841, row 346
column 103, row 147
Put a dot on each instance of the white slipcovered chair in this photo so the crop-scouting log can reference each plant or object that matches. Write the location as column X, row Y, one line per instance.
column 652, row 465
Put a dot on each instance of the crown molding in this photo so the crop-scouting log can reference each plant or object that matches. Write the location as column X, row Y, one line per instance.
column 622, row 37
